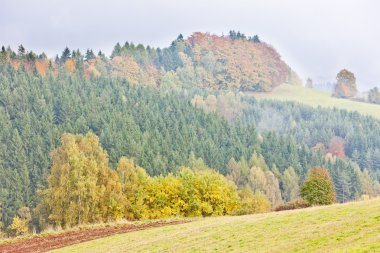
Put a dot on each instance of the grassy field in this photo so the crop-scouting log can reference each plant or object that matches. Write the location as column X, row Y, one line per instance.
column 318, row 98
column 350, row 227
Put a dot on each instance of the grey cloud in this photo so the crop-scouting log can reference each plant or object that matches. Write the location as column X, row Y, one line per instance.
column 316, row 38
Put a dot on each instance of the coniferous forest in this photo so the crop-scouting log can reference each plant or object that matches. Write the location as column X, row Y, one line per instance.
column 149, row 133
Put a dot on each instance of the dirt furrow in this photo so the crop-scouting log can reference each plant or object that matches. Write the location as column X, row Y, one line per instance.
column 55, row 241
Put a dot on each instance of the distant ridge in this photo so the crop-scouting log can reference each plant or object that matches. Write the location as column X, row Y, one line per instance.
column 203, row 60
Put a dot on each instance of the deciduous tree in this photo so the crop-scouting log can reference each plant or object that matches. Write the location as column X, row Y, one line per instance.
column 318, row 188
column 346, row 84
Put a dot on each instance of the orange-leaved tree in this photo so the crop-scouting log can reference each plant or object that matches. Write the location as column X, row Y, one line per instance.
column 346, row 84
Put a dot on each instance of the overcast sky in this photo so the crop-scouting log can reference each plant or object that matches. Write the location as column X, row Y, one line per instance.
column 317, row 38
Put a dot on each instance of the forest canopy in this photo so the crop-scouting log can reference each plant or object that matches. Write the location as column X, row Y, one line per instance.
column 236, row 61
column 164, row 116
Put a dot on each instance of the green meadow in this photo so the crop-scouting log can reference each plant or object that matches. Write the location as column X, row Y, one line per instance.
column 350, row 227
column 316, row 98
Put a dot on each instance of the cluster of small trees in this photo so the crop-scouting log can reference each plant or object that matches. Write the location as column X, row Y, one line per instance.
column 232, row 34
column 328, row 178
column 256, row 176
column 82, row 188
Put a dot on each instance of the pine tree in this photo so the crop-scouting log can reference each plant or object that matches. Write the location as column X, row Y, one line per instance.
column 342, row 187
column 290, row 185
column 234, row 173
column 376, row 160
column 89, row 55
column 356, row 156
column 21, row 51
column 256, row 39
column 66, row 54
column 116, row 50
column 368, row 160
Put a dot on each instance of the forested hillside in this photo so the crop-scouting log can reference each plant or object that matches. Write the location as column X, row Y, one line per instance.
column 169, row 121
column 233, row 62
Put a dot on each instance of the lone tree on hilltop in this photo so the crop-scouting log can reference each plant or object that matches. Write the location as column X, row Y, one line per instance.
column 346, row 84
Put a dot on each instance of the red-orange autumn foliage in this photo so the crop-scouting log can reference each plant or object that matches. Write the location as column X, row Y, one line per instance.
column 90, row 68
column 336, row 148
column 346, row 84
column 202, row 60
column 127, row 67
column 319, row 147
column 15, row 64
column 238, row 64
column 342, row 90
column 41, row 67
column 151, row 75
column 70, row 65
column 29, row 66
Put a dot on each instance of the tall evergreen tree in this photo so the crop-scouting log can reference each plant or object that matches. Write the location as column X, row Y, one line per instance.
column 66, row 54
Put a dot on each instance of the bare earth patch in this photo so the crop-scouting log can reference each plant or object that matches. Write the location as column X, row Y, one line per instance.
column 55, row 241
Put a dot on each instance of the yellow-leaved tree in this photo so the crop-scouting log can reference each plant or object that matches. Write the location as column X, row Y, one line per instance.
column 164, row 197
column 208, row 193
column 134, row 181
column 252, row 202
column 19, row 226
column 82, row 188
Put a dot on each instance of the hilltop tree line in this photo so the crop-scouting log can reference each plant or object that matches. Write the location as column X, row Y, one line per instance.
column 235, row 62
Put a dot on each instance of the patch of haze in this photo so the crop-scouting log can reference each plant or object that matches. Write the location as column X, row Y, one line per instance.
column 270, row 120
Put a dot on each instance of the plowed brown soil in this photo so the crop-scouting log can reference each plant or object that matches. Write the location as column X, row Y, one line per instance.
column 54, row 241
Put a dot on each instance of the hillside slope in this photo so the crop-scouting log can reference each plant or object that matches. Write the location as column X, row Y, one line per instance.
column 316, row 98
column 202, row 60
column 351, row 227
